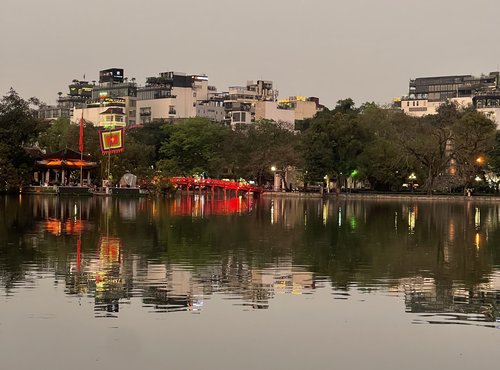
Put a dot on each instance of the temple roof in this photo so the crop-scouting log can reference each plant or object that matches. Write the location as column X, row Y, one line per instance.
column 71, row 164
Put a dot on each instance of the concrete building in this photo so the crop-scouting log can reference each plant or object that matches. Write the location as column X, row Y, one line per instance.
column 238, row 103
column 288, row 111
column 93, row 112
column 489, row 104
column 113, row 84
column 426, row 94
column 79, row 93
column 213, row 109
column 171, row 95
column 113, row 91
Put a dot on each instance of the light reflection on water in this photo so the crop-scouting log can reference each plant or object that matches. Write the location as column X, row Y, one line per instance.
column 435, row 263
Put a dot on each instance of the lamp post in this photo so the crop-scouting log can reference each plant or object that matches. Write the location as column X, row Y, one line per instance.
column 412, row 179
column 276, row 177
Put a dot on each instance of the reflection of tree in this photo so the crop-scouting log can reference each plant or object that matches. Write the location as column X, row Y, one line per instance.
column 175, row 262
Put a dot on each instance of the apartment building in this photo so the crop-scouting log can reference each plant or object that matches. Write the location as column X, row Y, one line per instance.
column 171, row 95
column 287, row 111
column 111, row 102
column 79, row 93
column 426, row 94
column 237, row 105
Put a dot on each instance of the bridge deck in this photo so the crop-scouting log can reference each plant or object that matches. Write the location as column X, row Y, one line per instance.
column 192, row 182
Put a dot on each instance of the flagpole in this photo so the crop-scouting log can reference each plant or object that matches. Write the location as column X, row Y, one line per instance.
column 81, row 168
column 81, row 150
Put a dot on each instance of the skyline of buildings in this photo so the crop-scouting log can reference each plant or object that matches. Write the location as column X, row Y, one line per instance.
column 116, row 100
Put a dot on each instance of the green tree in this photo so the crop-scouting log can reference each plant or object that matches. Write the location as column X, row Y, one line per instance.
column 54, row 138
column 381, row 162
column 473, row 140
column 150, row 134
column 262, row 146
column 18, row 130
column 333, row 142
column 196, row 144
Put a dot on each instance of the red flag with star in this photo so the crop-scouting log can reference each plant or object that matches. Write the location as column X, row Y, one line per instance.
column 112, row 140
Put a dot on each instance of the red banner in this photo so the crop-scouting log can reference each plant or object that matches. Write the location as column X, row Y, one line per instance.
column 112, row 140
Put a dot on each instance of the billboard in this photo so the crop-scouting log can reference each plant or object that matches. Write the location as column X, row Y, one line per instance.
column 111, row 75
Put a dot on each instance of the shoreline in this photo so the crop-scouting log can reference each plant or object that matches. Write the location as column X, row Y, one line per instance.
column 396, row 197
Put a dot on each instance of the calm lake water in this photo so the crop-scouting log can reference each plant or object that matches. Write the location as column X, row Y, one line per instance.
column 192, row 283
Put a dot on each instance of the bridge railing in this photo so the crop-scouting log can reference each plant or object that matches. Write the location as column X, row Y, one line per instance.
column 225, row 184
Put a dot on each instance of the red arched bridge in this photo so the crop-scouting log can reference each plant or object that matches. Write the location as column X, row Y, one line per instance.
column 213, row 185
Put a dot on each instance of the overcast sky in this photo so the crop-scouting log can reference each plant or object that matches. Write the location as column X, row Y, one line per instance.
column 363, row 49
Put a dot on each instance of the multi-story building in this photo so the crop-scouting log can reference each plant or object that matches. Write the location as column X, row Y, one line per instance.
column 113, row 91
column 79, row 93
column 489, row 104
column 237, row 105
column 213, row 109
column 426, row 94
column 171, row 95
column 287, row 111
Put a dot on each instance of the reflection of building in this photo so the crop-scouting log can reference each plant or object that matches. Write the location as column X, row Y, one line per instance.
column 109, row 284
column 424, row 295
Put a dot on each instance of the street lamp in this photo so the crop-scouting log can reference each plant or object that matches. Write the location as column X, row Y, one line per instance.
column 412, row 179
column 277, row 179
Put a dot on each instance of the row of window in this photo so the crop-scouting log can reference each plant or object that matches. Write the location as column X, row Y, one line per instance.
column 418, row 109
column 415, row 103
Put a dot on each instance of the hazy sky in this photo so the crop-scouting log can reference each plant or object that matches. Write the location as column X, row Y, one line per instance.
column 364, row 49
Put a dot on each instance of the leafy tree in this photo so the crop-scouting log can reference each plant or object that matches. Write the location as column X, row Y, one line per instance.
column 333, row 142
column 264, row 145
column 137, row 159
column 429, row 145
column 195, row 144
column 18, row 129
column 151, row 134
column 381, row 162
column 495, row 154
column 473, row 138
column 55, row 137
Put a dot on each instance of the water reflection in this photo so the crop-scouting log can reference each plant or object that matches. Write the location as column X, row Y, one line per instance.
column 175, row 255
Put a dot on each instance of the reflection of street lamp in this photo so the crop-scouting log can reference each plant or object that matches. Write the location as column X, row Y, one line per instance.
column 412, row 179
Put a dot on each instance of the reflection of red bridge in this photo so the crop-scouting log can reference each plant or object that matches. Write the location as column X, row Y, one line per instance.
column 198, row 207
column 214, row 185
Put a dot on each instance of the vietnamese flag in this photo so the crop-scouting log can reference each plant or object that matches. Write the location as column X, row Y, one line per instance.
column 111, row 140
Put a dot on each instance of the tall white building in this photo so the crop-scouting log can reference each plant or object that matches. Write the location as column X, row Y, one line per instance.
column 171, row 95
